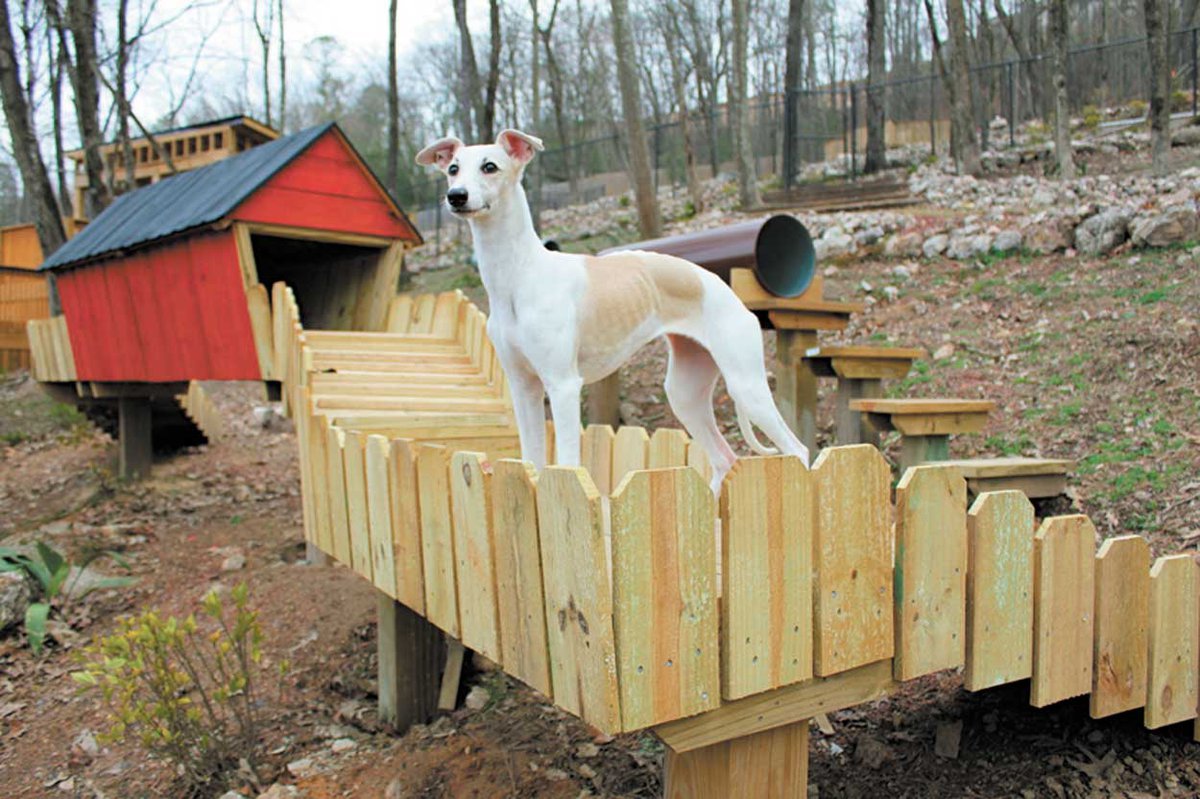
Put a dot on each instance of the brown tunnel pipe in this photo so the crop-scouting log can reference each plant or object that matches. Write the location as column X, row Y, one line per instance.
column 779, row 249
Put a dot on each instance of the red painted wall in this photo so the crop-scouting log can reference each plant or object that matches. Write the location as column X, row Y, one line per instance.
column 325, row 188
column 171, row 312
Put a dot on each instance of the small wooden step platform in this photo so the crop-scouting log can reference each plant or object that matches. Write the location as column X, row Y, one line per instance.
column 925, row 424
column 1038, row 478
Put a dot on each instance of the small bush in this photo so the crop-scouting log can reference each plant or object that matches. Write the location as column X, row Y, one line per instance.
column 185, row 688
column 1091, row 117
column 1180, row 101
column 1137, row 108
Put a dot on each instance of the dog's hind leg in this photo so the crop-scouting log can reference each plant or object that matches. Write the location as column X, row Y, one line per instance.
column 691, row 377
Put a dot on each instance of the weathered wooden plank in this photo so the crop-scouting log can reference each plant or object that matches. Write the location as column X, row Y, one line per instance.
column 471, row 499
column 853, row 595
column 665, row 596
column 408, row 554
column 379, row 514
column 931, row 571
column 356, row 503
column 772, row 764
column 1174, row 651
column 596, row 454
column 522, row 610
column 319, row 464
column 668, row 447
column 999, row 590
column 767, row 523
column 437, row 537
column 338, row 523
column 630, row 449
column 578, row 597
column 1122, row 623
column 1063, row 608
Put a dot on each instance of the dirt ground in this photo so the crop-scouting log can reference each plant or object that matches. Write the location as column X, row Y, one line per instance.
column 1090, row 359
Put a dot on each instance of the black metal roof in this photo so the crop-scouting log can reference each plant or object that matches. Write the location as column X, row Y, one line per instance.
column 184, row 201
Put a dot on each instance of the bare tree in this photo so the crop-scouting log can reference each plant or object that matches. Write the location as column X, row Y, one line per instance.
column 393, row 103
column 957, row 81
column 36, row 181
column 535, row 88
column 671, row 36
column 55, row 47
column 121, row 97
column 1023, row 52
column 558, row 99
column 477, row 109
column 1160, row 112
column 876, row 69
column 793, row 74
column 1062, row 121
column 264, row 23
column 468, row 94
column 282, row 70
column 631, row 107
column 487, row 128
column 743, row 145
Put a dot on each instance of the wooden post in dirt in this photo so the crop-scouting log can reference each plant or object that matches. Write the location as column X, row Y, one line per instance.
column 136, row 444
column 769, row 765
column 410, row 663
column 796, row 384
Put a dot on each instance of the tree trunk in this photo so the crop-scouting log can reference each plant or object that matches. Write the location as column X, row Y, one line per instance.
column 876, row 74
column 81, row 22
column 746, row 172
column 122, row 98
column 960, row 75
column 631, row 108
column 679, row 86
column 35, row 180
column 55, row 44
column 792, row 77
column 535, row 102
column 393, row 101
column 469, row 95
column 282, row 72
column 262, row 28
column 1160, row 111
column 1023, row 54
column 705, row 83
column 487, row 128
column 1062, row 115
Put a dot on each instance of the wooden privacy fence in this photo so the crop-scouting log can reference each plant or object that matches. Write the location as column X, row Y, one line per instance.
column 53, row 361
column 24, row 295
column 629, row 596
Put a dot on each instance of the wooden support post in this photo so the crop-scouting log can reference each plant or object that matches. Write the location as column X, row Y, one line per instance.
column 915, row 450
column 452, row 676
column 766, row 765
column 604, row 401
column 852, row 425
column 796, row 385
column 410, row 660
column 134, row 437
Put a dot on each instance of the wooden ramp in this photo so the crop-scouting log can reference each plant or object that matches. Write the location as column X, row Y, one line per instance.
column 607, row 589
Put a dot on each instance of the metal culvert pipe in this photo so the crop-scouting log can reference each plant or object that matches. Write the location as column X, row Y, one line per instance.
column 779, row 249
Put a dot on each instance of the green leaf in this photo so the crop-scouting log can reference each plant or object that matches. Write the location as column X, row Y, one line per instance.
column 50, row 556
column 35, row 625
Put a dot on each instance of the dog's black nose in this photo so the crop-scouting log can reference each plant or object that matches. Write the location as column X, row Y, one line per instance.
column 457, row 197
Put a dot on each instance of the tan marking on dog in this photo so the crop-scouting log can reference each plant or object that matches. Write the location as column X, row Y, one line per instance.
column 627, row 289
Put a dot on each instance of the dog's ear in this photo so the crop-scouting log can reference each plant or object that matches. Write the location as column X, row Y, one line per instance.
column 520, row 146
column 441, row 152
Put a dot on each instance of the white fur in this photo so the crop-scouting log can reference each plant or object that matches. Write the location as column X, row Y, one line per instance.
column 535, row 297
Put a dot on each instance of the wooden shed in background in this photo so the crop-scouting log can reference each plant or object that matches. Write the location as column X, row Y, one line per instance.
column 169, row 283
column 23, row 293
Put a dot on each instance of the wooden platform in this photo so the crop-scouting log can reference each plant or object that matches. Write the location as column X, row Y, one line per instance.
column 925, row 424
column 1037, row 478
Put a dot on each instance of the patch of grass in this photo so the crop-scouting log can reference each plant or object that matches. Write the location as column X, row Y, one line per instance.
column 1009, row 447
column 467, row 280
column 1065, row 414
column 985, row 289
column 1151, row 297
column 920, row 374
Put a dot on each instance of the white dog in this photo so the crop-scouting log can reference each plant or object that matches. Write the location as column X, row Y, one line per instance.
column 559, row 321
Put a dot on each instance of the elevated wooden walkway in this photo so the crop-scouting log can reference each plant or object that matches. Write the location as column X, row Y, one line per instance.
column 606, row 589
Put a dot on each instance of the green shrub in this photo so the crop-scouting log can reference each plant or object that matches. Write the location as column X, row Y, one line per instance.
column 1137, row 108
column 50, row 571
column 1180, row 101
column 1091, row 117
column 186, row 689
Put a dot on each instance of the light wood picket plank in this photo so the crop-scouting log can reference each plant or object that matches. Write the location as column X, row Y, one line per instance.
column 1174, row 652
column 400, row 314
column 1122, row 626
column 408, row 554
column 668, row 447
column 768, row 528
column 474, row 553
column 356, row 503
column 338, row 523
column 853, row 595
column 319, row 464
column 379, row 514
column 578, row 597
column 630, row 449
column 665, row 596
column 596, row 451
column 437, row 537
column 519, row 574
column 999, row 590
column 1063, row 608
column 931, row 571
column 698, row 460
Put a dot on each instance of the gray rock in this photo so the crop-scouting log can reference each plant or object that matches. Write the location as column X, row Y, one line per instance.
column 904, row 245
column 1007, row 241
column 15, row 596
column 1169, row 227
column 1048, row 237
column 963, row 247
column 901, row 271
column 834, row 243
column 871, row 235
column 1186, row 137
column 935, row 245
column 1103, row 232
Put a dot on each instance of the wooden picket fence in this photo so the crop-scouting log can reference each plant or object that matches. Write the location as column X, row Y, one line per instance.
column 624, row 592
column 52, row 359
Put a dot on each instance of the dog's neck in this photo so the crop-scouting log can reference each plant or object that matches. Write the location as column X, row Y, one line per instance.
column 505, row 241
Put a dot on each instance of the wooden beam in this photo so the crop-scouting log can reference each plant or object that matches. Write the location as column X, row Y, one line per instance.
column 313, row 234
column 765, row 765
column 134, row 437
column 410, row 658
column 452, row 676
column 782, row 706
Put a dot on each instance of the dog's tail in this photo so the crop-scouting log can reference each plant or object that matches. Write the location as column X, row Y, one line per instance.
column 749, row 435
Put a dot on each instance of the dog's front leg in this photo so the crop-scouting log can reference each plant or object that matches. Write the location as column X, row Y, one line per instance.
column 564, row 407
column 529, row 408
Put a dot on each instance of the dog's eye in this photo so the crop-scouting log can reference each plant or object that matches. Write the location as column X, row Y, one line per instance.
column 489, row 168
column 453, row 170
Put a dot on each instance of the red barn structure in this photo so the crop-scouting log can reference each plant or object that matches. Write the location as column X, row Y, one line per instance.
column 170, row 283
